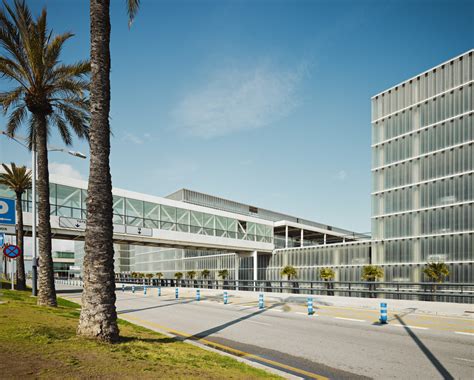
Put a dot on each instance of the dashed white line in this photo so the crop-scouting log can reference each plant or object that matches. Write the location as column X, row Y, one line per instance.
column 299, row 312
column 410, row 327
column 463, row 333
column 466, row 360
column 259, row 323
column 279, row 311
column 350, row 319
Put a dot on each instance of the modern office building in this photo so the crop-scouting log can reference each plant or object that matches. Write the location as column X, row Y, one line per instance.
column 422, row 204
column 422, row 170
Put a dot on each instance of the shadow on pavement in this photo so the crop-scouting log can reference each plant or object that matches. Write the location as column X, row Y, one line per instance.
column 206, row 333
column 436, row 363
column 152, row 307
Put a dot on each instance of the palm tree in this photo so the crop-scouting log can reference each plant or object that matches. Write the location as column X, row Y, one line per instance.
column 205, row 273
column 45, row 93
column 159, row 275
column 98, row 314
column 290, row 272
column 328, row 274
column 372, row 273
column 191, row 275
column 18, row 179
column 224, row 273
column 436, row 272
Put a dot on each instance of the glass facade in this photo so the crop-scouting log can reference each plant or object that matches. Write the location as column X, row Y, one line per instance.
column 422, row 170
column 70, row 202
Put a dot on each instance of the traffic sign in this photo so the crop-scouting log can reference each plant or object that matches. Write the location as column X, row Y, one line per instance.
column 7, row 215
column 12, row 251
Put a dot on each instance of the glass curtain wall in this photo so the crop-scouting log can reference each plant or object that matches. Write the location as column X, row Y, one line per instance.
column 422, row 171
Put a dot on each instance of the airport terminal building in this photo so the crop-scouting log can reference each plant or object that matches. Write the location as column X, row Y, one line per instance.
column 422, row 204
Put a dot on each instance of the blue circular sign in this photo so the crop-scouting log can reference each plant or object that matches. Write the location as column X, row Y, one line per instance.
column 12, row 251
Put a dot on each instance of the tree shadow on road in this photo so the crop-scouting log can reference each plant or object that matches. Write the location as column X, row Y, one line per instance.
column 213, row 330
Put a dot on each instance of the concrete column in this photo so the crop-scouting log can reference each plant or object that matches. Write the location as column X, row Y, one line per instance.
column 237, row 266
column 325, row 239
column 286, row 236
column 302, row 238
column 255, row 265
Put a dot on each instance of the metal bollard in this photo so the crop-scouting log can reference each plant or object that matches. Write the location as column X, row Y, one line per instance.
column 383, row 313
column 226, row 298
column 310, row 306
column 176, row 293
column 123, row 288
column 159, row 291
column 198, row 295
column 260, row 301
column 144, row 290
column 133, row 288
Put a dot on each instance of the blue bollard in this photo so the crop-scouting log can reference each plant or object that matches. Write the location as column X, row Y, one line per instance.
column 133, row 288
column 123, row 288
column 159, row 292
column 383, row 313
column 176, row 293
column 225, row 298
column 310, row 306
column 260, row 301
column 144, row 290
column 198, row 295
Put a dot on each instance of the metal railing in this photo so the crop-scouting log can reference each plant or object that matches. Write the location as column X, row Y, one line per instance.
column 425, row 291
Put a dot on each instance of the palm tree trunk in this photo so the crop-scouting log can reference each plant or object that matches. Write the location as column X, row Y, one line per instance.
column 46, row 291
column 98, row 314
column 20, row 262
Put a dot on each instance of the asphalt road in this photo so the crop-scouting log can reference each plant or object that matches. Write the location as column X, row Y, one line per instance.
column 339, row 343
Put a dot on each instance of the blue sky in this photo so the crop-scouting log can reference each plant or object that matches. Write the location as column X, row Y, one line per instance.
column 263, row 102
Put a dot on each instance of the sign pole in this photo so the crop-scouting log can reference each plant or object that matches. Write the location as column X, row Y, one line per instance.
column 12, row 261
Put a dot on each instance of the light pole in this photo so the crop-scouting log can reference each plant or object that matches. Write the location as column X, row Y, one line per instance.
column 34, row 269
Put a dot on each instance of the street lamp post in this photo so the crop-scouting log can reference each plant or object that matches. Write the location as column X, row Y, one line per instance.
column 34, row 274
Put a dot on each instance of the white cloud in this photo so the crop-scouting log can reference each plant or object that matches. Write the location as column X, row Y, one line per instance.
column 341, row 175
column 239, row 99
column 64, row 170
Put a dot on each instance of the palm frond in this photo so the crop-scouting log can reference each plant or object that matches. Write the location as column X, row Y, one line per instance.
column 132, row 9
column 11, row 98
column 16, row 119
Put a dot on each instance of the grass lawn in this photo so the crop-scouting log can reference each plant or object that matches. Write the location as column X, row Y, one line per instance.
column 41, row 342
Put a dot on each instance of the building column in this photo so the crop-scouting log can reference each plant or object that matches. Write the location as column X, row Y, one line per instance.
column 325, row 235
column 255, row 265
column 237, row 266
column 302, row 238
column 286, row 236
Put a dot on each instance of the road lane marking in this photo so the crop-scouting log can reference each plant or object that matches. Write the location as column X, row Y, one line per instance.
column 409, row 327
column 260, row 323
column 466, row 360
column 351, row 319
column 228, row 349
column 299, row 312
column 464, row 333
column 278, row 310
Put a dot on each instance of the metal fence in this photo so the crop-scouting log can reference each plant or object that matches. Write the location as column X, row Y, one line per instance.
column 425, row 291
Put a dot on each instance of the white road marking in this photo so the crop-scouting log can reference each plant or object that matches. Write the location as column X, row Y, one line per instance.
column 280, row 311
column 463, row 333
column 466, row 360
column 410, row 327
column 299, row 312
column 350, row 319
column 259, row 323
